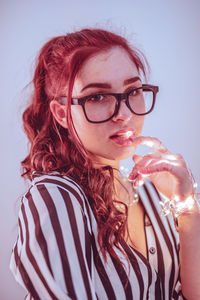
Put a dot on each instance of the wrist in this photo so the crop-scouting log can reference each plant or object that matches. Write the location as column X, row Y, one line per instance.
column 182, row 210
column 191, row 217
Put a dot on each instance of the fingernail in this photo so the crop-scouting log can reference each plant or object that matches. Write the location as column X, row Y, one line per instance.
column 131, row 176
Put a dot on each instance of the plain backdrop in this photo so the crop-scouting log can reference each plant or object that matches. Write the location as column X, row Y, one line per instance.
column 168, row 34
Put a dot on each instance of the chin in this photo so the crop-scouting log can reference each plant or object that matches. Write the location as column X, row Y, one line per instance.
column 112, row 157
column 120, row 156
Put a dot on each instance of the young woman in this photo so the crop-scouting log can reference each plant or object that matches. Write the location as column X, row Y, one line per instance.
column 85, row 232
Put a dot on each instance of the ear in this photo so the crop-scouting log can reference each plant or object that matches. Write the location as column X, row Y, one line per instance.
column 59, row 112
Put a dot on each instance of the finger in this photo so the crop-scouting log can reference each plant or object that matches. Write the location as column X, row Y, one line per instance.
column 161, row 166
column 146, row 160
column 139, row 180
column 180, row 174
column 184, row 184
column 176, row 158
column 137, row 158
column 155, row 158
column 152, row 164
column 172, row 156
column 150, row 142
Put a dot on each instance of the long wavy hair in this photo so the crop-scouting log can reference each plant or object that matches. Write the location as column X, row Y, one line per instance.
column 54, row 148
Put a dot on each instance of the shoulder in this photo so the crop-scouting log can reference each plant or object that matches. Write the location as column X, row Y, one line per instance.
column 56, row 182
column 54, row 234
column 55, row 194
column 54, row 203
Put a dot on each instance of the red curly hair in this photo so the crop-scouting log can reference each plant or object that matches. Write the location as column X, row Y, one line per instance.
column 51, row 149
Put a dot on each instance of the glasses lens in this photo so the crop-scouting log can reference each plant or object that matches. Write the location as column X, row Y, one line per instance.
column 141, row 101
column 100, row 107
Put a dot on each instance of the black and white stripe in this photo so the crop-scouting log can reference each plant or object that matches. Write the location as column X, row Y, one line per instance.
column 57, row 254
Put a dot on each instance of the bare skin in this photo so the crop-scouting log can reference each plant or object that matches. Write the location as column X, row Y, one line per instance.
column 135, row 221
column 115, row 71
column 136, row 228
column 163, row 167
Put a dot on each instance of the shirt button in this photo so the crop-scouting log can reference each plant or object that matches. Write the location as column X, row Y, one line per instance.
column 152, row 250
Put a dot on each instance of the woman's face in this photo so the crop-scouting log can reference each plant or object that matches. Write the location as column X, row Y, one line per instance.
column 107, row 72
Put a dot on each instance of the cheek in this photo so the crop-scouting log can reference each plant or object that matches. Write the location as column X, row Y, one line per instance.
column 138, row 123
column 78, row 116
column 85, row 130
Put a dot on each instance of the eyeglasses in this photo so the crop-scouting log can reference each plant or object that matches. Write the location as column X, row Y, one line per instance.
column 102, row 107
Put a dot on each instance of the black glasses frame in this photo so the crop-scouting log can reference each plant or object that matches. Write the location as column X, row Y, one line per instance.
column 119, row 97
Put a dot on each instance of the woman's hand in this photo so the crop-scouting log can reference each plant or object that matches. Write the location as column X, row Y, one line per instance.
column 167, row 171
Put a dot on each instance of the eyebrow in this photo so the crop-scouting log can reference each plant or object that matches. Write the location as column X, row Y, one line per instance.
column 108, row 86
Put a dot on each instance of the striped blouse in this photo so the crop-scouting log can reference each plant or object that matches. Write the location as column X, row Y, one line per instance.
column 57, row 256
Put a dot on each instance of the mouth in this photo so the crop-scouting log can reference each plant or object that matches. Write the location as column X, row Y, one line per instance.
column 124, row 137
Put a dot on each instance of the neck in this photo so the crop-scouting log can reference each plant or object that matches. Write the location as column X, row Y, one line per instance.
column 121, row 184
column 99, row 162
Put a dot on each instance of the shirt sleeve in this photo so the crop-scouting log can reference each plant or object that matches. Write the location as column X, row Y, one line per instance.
column 52, row 256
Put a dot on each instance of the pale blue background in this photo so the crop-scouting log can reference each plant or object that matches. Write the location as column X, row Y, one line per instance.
column 167, row 32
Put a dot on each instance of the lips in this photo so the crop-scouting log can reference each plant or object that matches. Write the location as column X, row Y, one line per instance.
column 123, row 137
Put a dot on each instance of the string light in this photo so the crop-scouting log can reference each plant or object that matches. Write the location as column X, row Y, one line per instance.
column 175, row 206
column 128, row 133
column 124, row 172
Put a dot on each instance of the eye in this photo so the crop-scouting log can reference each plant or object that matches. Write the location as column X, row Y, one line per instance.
column 95, row 98
column 135, row 92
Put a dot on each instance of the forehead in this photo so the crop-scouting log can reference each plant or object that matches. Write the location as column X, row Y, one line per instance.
column 112, row 66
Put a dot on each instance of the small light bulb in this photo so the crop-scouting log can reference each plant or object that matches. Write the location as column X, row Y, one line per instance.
column 148, row 143
column 195, row 185
column 128, row 133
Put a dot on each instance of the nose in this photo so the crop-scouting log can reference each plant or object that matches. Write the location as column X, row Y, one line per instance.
column 124, row 113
